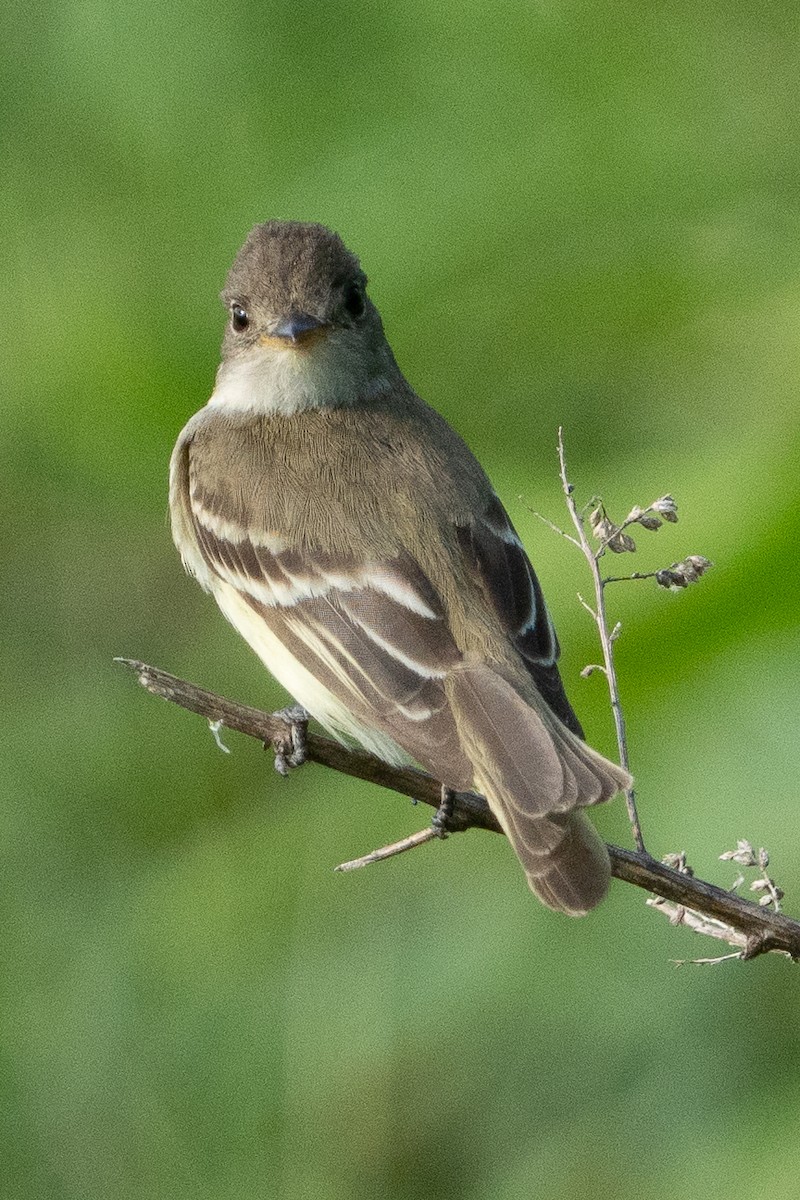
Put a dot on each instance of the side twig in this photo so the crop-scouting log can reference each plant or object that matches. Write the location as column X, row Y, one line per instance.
column 407, row 843
column 757, row 930
column 606, row 639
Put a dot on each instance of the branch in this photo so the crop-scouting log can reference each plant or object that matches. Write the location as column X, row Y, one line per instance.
column 755, row 930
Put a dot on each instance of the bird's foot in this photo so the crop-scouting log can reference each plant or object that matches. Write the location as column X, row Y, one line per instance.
column 440, row 822
column 290, row 747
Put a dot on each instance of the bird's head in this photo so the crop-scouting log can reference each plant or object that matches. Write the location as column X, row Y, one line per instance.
column 301, row 331
column 292, row 284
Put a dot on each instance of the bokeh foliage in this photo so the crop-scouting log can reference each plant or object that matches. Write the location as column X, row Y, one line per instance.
column 571, row 212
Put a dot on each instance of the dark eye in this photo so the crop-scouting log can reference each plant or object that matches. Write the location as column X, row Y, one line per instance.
column 354, row 300
column 239, row 318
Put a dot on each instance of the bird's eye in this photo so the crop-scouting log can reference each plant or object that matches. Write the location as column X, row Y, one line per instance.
column 239, row 318
column 354, row 300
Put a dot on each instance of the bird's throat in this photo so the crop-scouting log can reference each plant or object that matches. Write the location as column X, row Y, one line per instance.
column 281, row 380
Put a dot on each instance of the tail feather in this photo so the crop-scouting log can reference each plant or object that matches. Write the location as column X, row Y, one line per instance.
column 537, row 776
column 577, row 874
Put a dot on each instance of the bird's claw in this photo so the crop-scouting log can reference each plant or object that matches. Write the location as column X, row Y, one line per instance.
column 290, row 748
column 440, row 822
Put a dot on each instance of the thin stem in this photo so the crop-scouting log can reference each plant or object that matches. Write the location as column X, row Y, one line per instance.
column 588, row 607
column 707, row 962
column 555, row 528
column 406, row 843
column 606, row 640
column 625, row 578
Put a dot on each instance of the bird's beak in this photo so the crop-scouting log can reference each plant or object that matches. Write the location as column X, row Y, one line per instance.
column 295, row 329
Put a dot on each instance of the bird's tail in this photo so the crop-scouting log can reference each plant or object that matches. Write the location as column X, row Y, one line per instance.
column 537, row 777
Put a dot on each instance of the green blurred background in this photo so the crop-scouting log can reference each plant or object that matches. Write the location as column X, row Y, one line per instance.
column 585, row 213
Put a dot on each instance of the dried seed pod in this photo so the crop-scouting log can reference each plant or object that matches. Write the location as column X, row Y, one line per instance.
column 668, row 578
column 678, row 863
column 609, row 534
column 642, row 516
column 743, row 854
column 601, row 526
column 621, row 543
column 698, row 563
column 666, row 508
column 682, row 573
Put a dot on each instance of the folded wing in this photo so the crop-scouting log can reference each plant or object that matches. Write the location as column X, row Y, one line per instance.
column 498, row 559
column 373, row 636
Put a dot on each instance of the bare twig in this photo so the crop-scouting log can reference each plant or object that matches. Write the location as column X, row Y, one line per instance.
column 633, row 575
column 407, row 843
column 607, row 639
column 763, row 929
column 707, row 962
column 679, row 914
column 555, row 528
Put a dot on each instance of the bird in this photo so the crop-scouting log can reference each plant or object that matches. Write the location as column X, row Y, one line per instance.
column 352, row 538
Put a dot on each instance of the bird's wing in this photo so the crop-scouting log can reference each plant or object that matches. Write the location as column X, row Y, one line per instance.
column 498, row 559
column 373, row 636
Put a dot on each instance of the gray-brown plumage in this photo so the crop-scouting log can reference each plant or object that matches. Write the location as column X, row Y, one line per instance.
column 354, row 540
